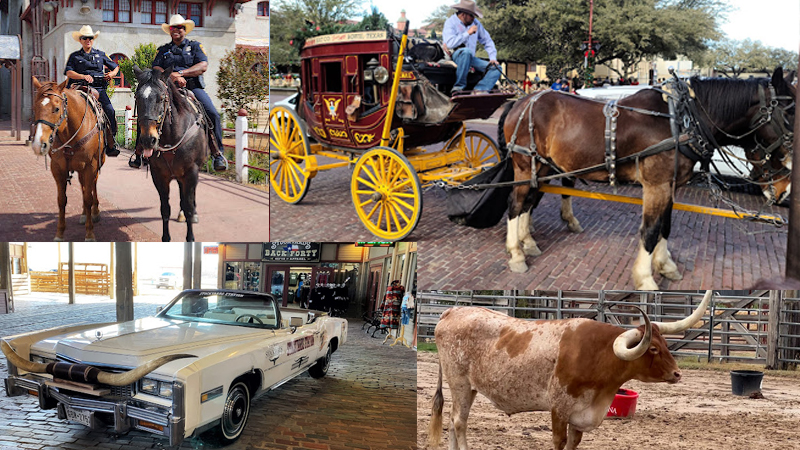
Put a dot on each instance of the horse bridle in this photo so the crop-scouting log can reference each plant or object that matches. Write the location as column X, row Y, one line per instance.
column 61, row 120
column 166, row 112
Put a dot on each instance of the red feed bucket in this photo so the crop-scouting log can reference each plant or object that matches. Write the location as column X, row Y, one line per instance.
column 624, row 404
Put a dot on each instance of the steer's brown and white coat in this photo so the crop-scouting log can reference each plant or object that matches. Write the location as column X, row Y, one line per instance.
column 572, row 368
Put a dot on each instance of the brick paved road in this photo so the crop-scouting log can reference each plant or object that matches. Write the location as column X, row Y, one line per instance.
column 129, row 203
column 367, row 400
column 710, row 251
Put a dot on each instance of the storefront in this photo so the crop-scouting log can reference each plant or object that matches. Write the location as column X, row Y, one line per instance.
column 291, row 270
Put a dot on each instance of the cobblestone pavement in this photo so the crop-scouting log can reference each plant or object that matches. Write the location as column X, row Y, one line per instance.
column 709, row 251
column 367, row 401
column 129, row 203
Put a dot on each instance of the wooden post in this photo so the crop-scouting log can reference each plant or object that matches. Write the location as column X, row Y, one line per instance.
column 124, row 281
column 5, row 276
column 187, row 265
column 198, row 269
column 135, row 268
column 71, row 277
column 773, row 330
column 793, row 241
column 112, row 286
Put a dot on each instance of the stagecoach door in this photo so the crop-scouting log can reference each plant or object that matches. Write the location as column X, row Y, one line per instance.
column 332, row 99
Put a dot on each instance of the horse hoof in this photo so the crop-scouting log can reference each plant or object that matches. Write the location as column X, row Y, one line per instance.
column 90, row 240
column 674, row 275
column 647, row 285
column 531, row 251
column 58, row 239
column 195, row 218
column 82, row 221
column 518, row 266
column 575, row 228
column 181, row 217
column 96, row 218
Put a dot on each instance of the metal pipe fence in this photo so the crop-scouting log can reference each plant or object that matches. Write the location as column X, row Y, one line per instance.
column 734, row 328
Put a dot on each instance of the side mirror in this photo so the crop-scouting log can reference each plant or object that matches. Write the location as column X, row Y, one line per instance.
column 296, row 322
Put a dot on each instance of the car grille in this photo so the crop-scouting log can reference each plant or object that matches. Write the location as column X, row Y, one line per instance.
column 117, row 392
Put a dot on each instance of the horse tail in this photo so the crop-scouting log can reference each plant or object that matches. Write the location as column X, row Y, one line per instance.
column 501, row 135
column 435, row 430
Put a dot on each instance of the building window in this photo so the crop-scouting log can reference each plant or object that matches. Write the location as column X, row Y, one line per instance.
column 117, row 11
column 151, row 15
column 119, row 80
column 192, row 11
column 263, row 9
column 46, row 22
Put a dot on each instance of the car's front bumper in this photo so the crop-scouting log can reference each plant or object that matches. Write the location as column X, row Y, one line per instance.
column 127, row 413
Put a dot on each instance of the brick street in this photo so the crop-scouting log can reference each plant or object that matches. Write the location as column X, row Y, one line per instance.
column 367, row 400
column 129, row 203
column 709, row 251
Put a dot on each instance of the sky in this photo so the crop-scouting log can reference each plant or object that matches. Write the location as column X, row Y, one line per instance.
column 775, row 23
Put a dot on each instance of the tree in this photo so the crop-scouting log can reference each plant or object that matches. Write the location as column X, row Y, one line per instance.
column 143, row 56
column 243, row 78
column 293, row 21
column 732, row 58
column 551, row 31
column 374, row 21
column 438, row 17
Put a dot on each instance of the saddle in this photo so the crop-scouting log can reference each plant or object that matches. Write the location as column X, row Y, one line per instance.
column 88, row 89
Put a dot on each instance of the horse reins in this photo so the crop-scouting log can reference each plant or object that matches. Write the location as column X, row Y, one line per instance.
column 166, row 113
column 56, row 126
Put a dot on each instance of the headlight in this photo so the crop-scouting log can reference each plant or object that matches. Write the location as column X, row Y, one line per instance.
column 381, row 75
column 149, row 386
column 165, row 389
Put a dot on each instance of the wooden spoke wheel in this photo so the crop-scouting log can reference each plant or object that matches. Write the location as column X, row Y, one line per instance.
column 479, row 149
column 291, row 166
column 386, row 193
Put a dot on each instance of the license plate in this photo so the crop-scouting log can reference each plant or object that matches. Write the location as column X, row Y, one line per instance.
column 80, row 416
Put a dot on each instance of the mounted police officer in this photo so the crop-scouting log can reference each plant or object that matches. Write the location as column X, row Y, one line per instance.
column 87, row 66
column 188, row 61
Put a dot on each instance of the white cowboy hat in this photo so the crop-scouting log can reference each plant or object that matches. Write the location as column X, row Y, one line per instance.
column 175, row 20
column 85, row 30
column 468, row 6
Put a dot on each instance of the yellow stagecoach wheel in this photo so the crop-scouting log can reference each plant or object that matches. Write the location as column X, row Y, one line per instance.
column 479, row 149
column 291, row 167
column 386, row 193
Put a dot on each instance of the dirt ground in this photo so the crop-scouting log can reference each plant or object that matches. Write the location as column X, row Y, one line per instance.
column 698, row 413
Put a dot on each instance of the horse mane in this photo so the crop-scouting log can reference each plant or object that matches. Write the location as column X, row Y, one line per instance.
column 726, row 99
column 177, row 99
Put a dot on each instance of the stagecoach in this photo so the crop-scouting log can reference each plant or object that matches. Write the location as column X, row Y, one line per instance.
column 378, row 102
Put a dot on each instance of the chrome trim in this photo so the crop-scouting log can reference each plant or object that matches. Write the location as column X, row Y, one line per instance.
column 150, row 416
column 177, row 423
column 83, row 403
column 281, row 383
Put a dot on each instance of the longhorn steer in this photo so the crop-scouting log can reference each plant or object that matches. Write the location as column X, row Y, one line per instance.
column 572, row 368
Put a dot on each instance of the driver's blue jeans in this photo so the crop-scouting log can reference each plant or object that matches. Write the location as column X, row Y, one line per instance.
column 464, row 60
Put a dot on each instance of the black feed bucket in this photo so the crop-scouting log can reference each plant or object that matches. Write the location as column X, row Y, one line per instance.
column 745, row 382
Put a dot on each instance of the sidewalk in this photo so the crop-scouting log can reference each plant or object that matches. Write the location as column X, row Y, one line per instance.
column 129, row 203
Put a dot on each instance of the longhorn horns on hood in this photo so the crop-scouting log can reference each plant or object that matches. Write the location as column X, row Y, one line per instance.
column 84, row 373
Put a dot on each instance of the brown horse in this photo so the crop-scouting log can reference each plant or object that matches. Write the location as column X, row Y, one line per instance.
column 568, row 135
column 68, row 130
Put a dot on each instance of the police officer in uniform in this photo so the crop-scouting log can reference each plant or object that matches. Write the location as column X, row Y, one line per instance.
column 87, row 66
column 188, row 62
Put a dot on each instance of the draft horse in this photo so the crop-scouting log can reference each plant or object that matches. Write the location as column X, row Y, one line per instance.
column 173, row 135
column 557, row 132
column 69, row 129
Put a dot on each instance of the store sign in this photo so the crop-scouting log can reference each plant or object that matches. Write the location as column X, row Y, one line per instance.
column 211, row 250
column 291, row 252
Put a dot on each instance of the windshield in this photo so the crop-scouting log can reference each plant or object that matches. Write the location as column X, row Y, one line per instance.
column 231, row 308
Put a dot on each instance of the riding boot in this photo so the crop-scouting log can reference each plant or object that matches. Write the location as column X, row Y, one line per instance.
column 220, row 163
column 112, row 150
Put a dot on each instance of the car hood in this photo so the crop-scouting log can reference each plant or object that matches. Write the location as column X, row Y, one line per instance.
column 128, row 344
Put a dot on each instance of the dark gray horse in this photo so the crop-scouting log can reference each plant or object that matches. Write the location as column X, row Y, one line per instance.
column 173, row 134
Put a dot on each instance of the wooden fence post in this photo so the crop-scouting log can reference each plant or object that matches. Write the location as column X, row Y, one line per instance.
column 241, row 145
column 773, row 330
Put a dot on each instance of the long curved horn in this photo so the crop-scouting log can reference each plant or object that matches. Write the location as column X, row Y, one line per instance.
column 19, row 361
column 684, row 324
column 87, row 374
column 624, row 341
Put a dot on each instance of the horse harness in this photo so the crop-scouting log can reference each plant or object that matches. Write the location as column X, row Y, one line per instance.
column 690, row 136
column 66, row 148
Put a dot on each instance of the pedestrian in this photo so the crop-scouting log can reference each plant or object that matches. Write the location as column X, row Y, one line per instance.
column 188, row 61
column 87, row 66
column 526, row 85
column 462, row 33
column 557, row 85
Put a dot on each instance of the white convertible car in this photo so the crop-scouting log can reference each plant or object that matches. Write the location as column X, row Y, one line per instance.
column 195, row 366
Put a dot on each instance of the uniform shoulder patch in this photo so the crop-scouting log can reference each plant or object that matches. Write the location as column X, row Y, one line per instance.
column 201, row 48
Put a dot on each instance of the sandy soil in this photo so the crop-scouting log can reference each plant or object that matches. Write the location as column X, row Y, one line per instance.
column 698, row 413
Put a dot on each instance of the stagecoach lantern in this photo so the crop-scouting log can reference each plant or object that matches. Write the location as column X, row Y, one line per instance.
column 371, row 65
column 381, row 75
